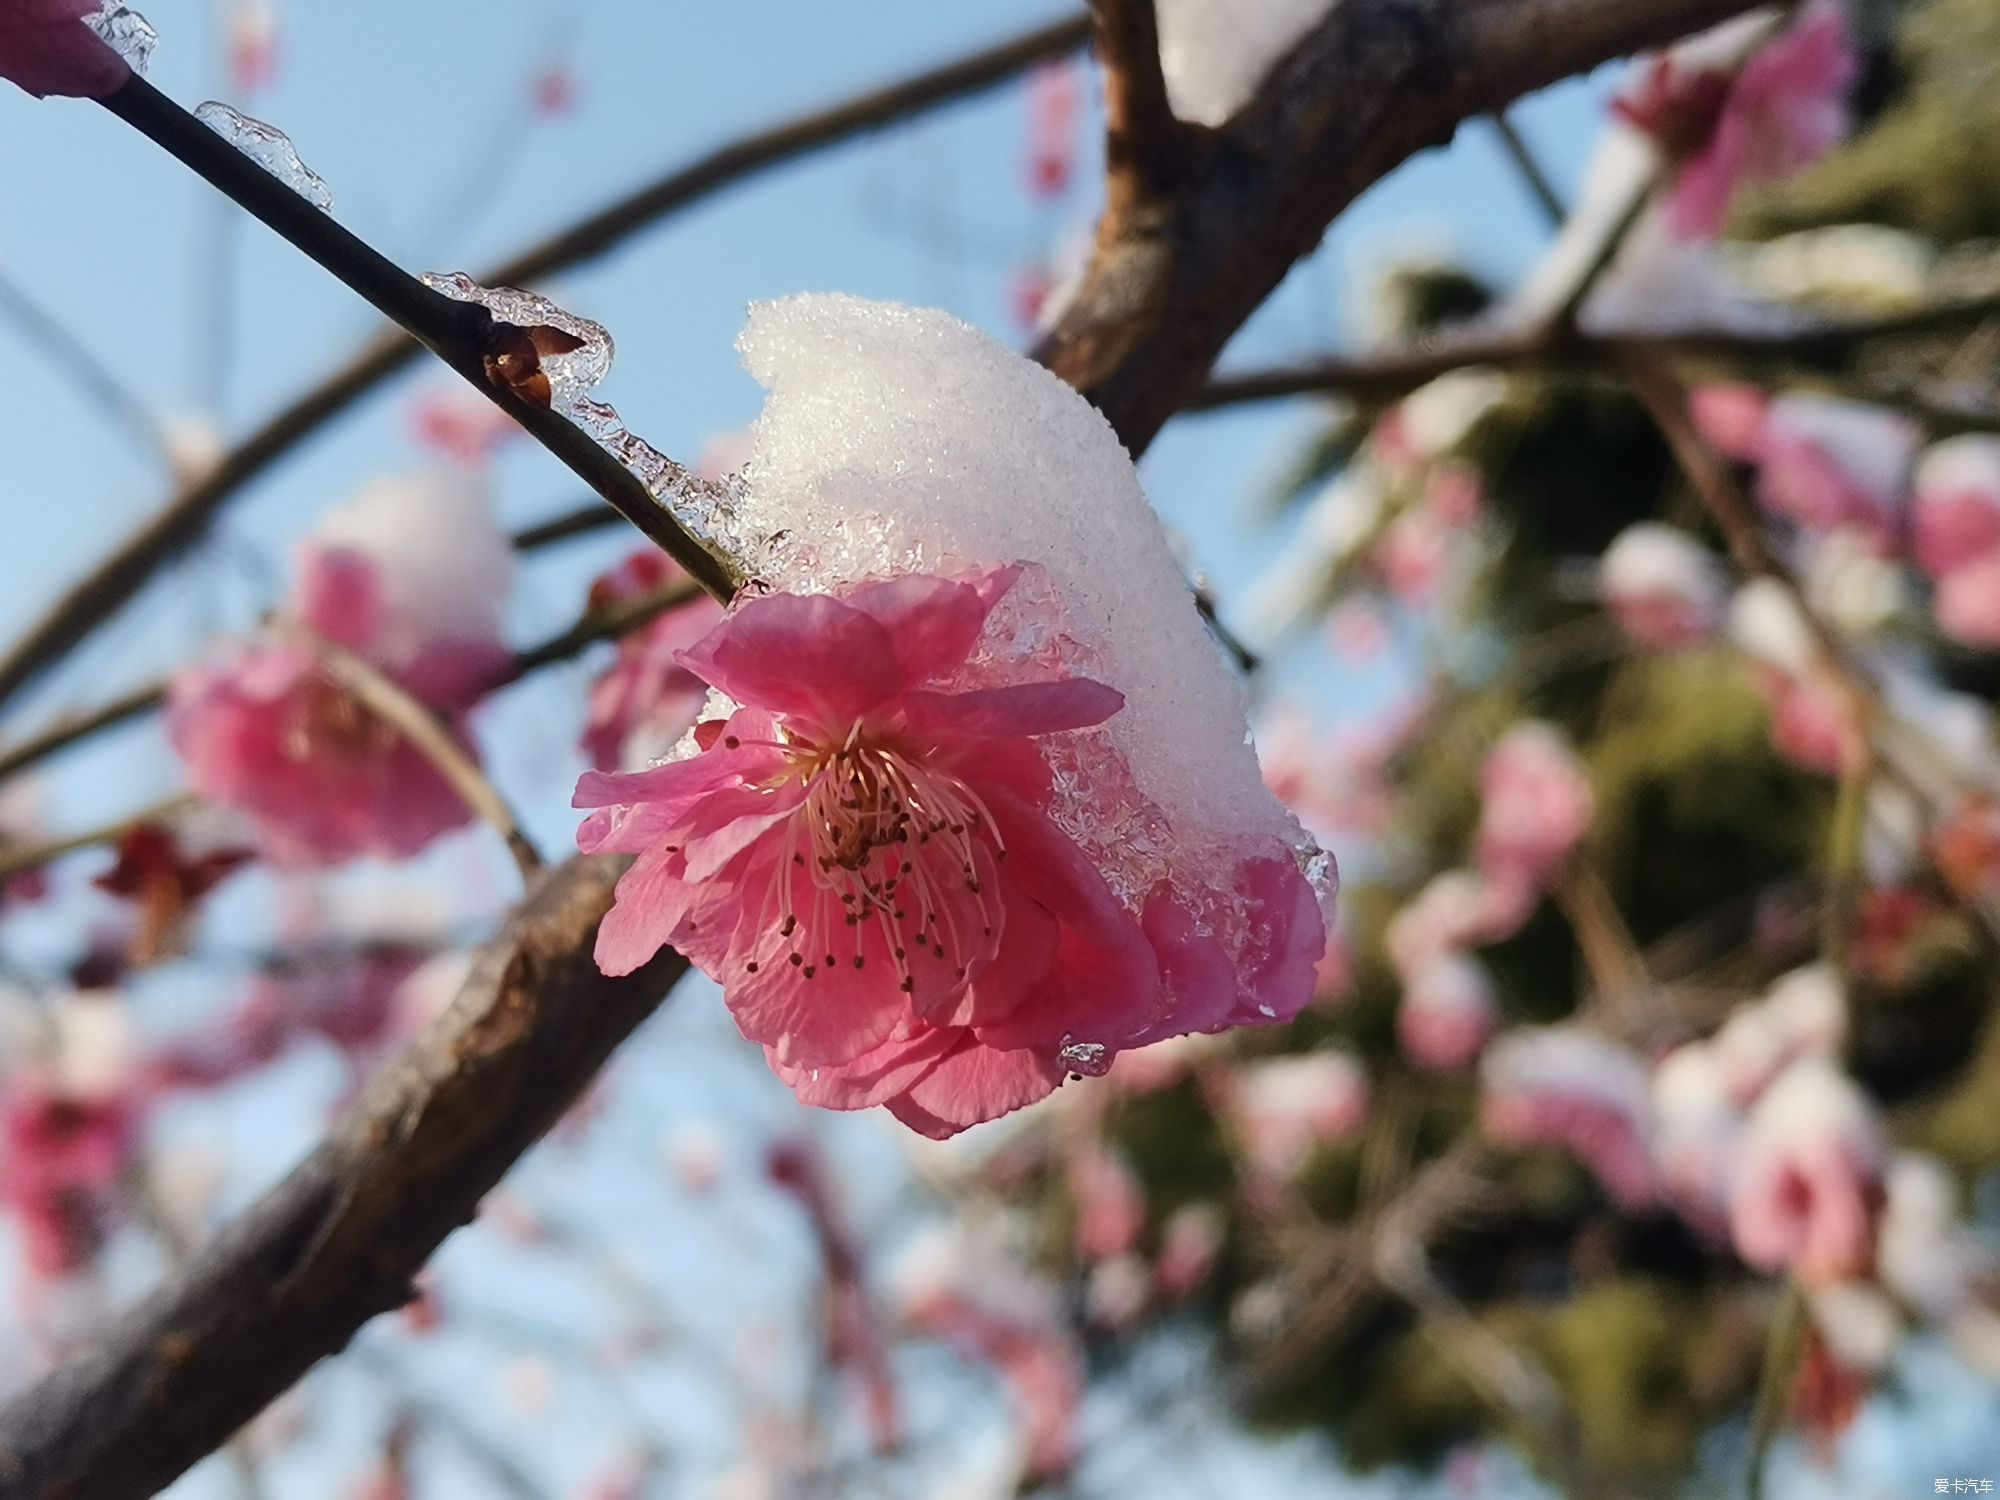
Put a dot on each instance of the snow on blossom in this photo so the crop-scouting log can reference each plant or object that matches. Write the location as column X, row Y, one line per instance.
column 1825, row 462
column 1283, row 1108
column 1955, row 516
column 1535, row 807
column 1215, row 53
column 646, row 700
column 1447, row 1013
column 1695, row 1126
column 1578, row 1092
column 411, row 576
column 1664, row 588
column 1786, row 108
column 1804, row 1014
column 986, row 813
column 1811, row 723
column 1806, row 1186
column 51, row 47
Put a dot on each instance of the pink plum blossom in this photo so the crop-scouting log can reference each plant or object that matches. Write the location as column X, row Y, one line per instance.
column 646, row 699
column 410, row 577
column 1955, row 518
column 1968, row 602
column 1110, row 1203
column 1806, row 1188
column 47, row 48
column 462, row 425
column 1190, row 1243
column 1285, row 1107
column 1664, row 588
column 253, row 45
column 1695, row 1127
column 1447, row 1014
column 62, row 1152
column 1580, row 1093
column 863, row 856
column 1825, row 463
column 1535, row 806
column 1457, row 909
column 1784, row 110
column 1731, row 417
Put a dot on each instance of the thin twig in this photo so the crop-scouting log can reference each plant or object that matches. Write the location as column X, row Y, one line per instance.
column 1533, row 177
column 25, row 857
column 392, row 703
column 97, row 380
column 186, row 518
column 464, row 335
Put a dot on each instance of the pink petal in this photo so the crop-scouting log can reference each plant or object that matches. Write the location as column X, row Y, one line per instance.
column 973, row 1084
column 803, row 654
column 873, row 1078
column 1020, row 712
column 340, row 595
column 46, row 49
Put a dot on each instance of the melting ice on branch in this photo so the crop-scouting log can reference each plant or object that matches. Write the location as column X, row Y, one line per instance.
column 270, row 148
column 703, row 507
column 128, row 33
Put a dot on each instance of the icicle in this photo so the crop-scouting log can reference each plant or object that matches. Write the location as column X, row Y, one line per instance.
column 270, row 148
column 707, row 508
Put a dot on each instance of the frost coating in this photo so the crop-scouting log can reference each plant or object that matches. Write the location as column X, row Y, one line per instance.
column 706, row 508
column 127, row 33
column 898, row 440
column 270, row 148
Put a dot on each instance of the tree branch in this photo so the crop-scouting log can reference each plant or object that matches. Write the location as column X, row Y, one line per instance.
column 338, row 1241
column 186, row 518
column 1146, row 147
column 1372, row 84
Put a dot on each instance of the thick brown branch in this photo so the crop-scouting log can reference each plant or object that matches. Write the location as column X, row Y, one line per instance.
column 1373, row 83
column 186, row 518
column 1146, row 149
column 341, row 1238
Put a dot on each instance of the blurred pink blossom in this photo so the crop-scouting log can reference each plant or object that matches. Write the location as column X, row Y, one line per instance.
column 1806, row 1189
column 1826, row 463
column 1285, row 1107
column 1664, row 588
column 1535, row 806
column 1456, row 910
column 1190, row 1243
column 253, row 45
column 646, row 699
column 1785, row 109
column 1109, row 1202
column 460, row 424
column 1955, row 518
column 1447, row 1014
column 62, row 1153
column 46, row 48
column 1968, row 602
column 1731, row 417
column 1575, row 1091
column 411, row 576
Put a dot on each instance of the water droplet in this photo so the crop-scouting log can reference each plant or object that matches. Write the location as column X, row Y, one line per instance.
column 1091, row 1059
column 270, row 148
column 128, row 33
